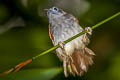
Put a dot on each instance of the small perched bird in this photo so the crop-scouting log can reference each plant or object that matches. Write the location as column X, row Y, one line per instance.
column 75, row 55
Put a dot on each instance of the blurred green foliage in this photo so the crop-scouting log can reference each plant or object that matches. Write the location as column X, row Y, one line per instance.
column 18, row 43
column 37, row 74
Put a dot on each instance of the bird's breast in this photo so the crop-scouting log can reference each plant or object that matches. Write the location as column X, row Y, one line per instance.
column 64, row 31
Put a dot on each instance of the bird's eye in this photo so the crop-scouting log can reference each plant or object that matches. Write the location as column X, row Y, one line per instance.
column 55, row 9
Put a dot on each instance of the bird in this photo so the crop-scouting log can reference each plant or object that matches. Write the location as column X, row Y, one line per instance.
column 75, row 55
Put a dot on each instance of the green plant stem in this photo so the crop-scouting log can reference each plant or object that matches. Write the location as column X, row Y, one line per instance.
column 79, row 34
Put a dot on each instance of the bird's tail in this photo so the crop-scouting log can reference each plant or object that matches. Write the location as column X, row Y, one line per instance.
column 80, row 60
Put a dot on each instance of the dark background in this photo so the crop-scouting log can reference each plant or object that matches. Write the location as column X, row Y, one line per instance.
column 24, row 34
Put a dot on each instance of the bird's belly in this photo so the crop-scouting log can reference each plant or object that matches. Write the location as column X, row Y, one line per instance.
column 65, row 31
column 72, row 45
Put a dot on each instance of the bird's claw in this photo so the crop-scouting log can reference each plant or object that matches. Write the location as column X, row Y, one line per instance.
column 85, row 38
column 61, row 44
column 89, row 30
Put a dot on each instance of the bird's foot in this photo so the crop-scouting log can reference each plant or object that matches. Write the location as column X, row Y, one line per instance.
column 61, row 44
column 85, row 38
column 89, row 30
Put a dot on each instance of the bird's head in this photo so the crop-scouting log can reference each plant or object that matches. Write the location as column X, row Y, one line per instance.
column 54, row 12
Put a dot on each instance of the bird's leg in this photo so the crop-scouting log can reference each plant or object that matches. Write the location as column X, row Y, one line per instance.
column 61, row 44
column 65, row 58
column 85, row 38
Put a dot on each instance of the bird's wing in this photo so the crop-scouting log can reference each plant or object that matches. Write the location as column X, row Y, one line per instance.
column 50, row 35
